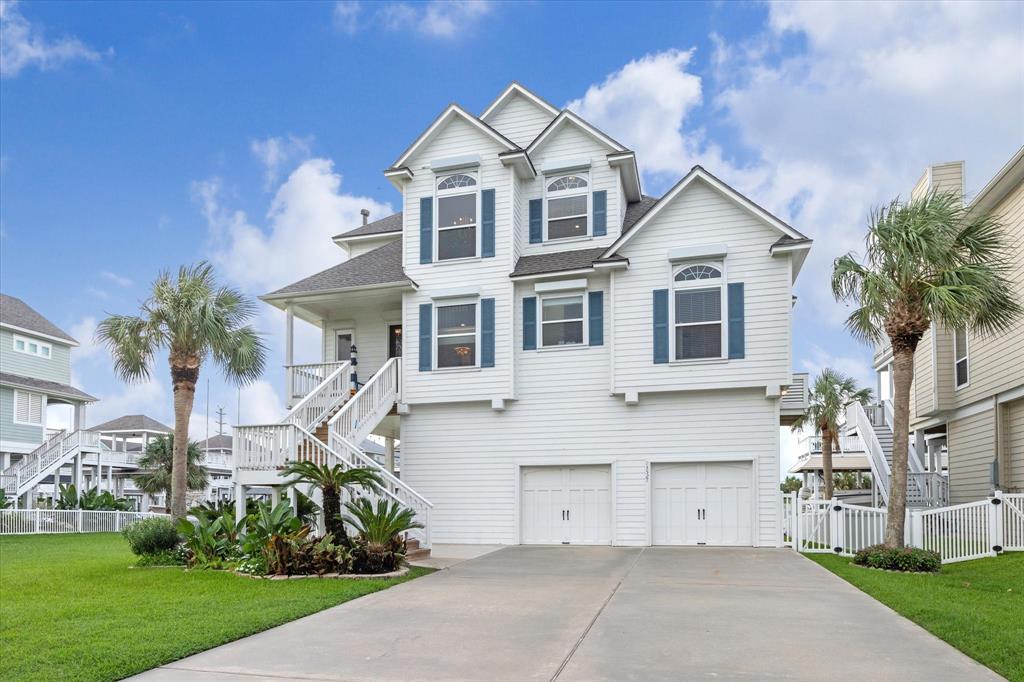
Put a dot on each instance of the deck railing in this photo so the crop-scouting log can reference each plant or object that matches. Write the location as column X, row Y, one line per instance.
column 846, row 444
column 301, row 380
column 32, row 521
column 321, row 400
column 357, row 419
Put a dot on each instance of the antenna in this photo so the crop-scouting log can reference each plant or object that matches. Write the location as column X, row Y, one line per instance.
column 220, row 420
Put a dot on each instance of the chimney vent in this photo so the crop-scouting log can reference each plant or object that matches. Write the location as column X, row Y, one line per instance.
column 366, row 215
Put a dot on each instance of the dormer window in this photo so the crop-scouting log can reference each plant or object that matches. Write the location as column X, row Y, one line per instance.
column 457, row 210
column 567, row 207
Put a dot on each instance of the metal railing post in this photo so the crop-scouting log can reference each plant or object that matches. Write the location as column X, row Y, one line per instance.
column 995, row 522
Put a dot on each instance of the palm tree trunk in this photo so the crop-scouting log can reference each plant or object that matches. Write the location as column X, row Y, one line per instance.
column 826, row 461
column 332, row 514
column 184, row 380
column 902, row 378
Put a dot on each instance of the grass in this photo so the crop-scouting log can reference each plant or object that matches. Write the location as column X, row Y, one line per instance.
column 72, row 609
column 977, row 606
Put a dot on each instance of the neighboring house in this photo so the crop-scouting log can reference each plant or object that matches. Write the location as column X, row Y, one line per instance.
column 218, row 461
column 35, row 373
column 967, row 399
column 565, row 360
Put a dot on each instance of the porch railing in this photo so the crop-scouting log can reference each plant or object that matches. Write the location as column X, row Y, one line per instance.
column 320, row 401
column 357, row 419
column 301, row 380
column 846, row 444
column 32, row 521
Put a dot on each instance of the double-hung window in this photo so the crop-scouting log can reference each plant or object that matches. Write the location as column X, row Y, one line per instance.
column 698, row 329
column 32, row 347
column 457, row 210
column 457, row 335
column 28, row 408
column 962, row 365
column 567, row 207
column 561, row 320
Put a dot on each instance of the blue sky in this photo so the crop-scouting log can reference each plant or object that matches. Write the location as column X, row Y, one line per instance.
column 139, row 136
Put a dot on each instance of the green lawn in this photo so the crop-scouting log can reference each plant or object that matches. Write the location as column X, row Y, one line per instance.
column 977, row 606
column 71, row 609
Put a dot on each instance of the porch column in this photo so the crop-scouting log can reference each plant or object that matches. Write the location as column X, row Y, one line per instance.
column 293, row 499
column 389, row 454
column 275, row 496
column 239, row 502
column 78, row 471
column 289, row 352
column 79, row 416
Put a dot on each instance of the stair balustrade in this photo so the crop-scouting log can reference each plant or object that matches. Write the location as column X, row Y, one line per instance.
column 858, row 417
column 301, row 380
column 45, row 459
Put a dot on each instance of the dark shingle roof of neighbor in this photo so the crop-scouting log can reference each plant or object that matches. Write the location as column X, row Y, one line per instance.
column 380, row 266
column 218, row 442
column 392, row 223
column 53, row 387
column 132, row 422
column 17, row 313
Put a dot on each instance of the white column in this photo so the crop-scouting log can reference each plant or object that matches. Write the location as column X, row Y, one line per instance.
column 275, row 496
column 389, row 454
column 239, row 502
column 293, row 499
column 78, row 472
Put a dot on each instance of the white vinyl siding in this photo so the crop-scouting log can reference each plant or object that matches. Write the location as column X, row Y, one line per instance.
column 562, row 320
column 972, row 451
column 520, row 120
column 370, row 324
column 1013, row 446
column 57, row 367
column 29, row 408
column 29, row 346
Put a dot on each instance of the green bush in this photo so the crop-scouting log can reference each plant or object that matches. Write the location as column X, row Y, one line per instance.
column 908, row 559
column 150, row 536
column 165, row 557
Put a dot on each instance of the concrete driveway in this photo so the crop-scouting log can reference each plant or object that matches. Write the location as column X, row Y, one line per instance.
column 599, row 613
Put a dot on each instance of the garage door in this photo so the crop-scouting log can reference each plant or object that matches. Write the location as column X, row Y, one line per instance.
column 566, row 505
column 702, row 504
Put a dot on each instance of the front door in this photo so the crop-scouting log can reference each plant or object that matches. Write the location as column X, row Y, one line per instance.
column 394, row 341
column 566, row 505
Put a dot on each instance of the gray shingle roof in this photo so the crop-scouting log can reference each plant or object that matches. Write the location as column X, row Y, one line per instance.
column 789, row 241
column 380, row 266
column 388, row 225
column 635, row 210
column 49, row 387
column 17, row 313
column 557, row 261
column 218, row 442
column 133, row 422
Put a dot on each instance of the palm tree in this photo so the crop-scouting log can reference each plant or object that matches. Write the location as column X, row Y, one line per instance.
column 156, row 467
column 831, row 394
column 331, row 479
column 927, row 261
column 194, row 320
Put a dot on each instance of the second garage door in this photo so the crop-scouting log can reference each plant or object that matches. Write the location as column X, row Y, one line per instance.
column 702, row 504
column 566, row 505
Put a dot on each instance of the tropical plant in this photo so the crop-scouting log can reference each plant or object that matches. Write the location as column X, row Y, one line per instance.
column 92, row 499
column 150, row 536
column 67, row 497
column 210, row 542
column 381, row 546
column 156, row 467
column 792, row 484
column 5, row 502
column 829, row 397
column 931, row 260
column 332, row 479
column 194, row 320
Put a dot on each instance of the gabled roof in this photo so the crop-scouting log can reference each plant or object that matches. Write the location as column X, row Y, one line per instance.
column 50, row 388
column 19, row 316
column 635, row 210
column 133, row 423
column 452, row 112
column 218, row 442
column 1008, row 177
column 511, row 91
column 378, row 267
column 697, row 172
column 558, row 261
column 389, row 225
column 567, row 117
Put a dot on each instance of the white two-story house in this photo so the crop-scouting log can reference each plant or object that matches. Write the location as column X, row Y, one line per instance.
column 564, row 359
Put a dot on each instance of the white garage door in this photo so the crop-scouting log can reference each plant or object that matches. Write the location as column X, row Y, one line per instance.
column 702, row 504
column 567, row 505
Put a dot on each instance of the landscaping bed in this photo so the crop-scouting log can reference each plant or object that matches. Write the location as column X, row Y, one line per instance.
column 73, row 610
column 975, row 606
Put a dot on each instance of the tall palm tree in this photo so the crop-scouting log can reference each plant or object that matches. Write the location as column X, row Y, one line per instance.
column 331, row 479
column 156, row 467
column 927, row 261
column 194, row 320
column 831, row 394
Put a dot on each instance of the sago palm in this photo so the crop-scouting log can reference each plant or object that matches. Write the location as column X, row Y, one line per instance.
column 331, row 479
column 831, row 394
column 927, row 261
column 156, row 466
column 194, row 320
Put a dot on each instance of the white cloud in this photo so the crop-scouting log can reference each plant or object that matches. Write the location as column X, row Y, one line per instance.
column 437, row 18
column 23, row 44
column 116, row 279
column 853, row 366
column 260, row 404
column 346, row 16
column 277, row 152
column 151, row 398
column 84, row 332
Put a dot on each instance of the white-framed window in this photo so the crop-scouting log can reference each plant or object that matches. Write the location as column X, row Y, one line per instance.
column 698, row 325
column 567, row 206
column 457, row 340
column 32, row 347
column 29, row 408
column 961, row 363
column 457, row 209
column 562, row 320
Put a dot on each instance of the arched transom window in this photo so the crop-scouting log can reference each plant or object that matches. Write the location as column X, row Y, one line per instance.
column 692, row 273
column 697, row 311
column 567, row 182
column 457, row 206
column 568, row 210
column 457, row 181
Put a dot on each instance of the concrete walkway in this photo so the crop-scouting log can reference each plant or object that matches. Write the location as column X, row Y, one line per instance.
column 599, row 613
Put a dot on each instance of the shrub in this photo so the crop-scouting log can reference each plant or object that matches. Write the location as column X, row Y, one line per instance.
column 166, row 557
column 908, row 559
column 380, row 547
column 150, row 536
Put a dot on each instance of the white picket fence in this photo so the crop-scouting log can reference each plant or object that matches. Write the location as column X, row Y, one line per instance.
column 958, row 533
column 33, row 521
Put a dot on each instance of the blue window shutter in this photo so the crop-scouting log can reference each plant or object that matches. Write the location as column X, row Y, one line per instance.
column 530, row 323
column 536, row 221
column 660, row 325
column 596, row 315
column 487, row 223
column 487, row 332
column 736, row 340
column 426, row 337
column 426, row 229
column 600, row 209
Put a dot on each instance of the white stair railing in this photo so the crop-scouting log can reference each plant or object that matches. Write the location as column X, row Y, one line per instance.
column 856, row 416
column 301, row 380
column 41, row 462
column 360, row 415
column 318, row 403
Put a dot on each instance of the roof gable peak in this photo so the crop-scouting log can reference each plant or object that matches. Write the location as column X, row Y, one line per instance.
column 513, row 90
column 451, row 112
column 567, row 117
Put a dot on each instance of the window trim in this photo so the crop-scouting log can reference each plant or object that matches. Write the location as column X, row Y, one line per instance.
column 39, row 345
column 722, row 282
column 342, row 331
column 565, row 194
column 42, row 408
column 585, row 342
column 447, row 303
column 966, row 360
column 459, row 191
